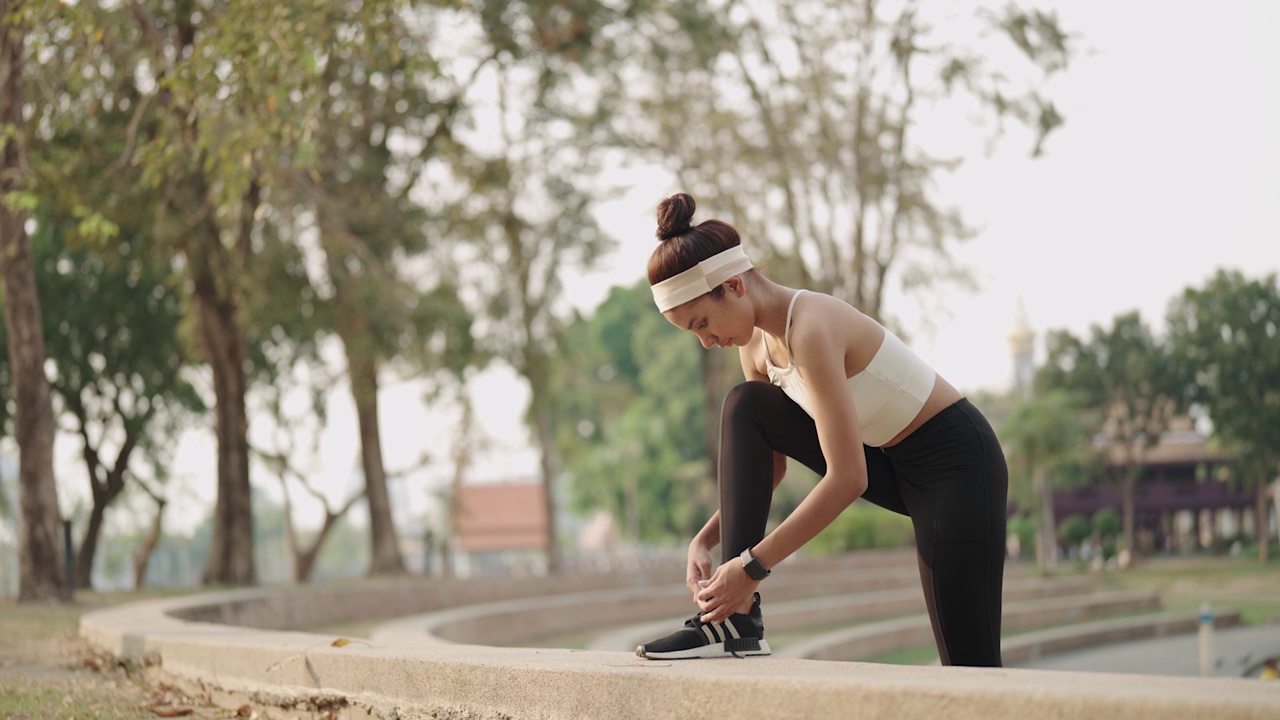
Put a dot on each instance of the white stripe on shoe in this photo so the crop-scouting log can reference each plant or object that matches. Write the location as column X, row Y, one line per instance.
column 711, row 634
column 715, row 650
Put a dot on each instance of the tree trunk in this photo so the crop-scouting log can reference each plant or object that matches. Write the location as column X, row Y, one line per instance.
column 1046, row 540
column 631, row 510
column 142, row 556
column 1128, row 489
column 304, row 563
column 104, row 492
column 463, row 454
column 231, row 547
column 89, row 546
column 1275, row 499
column 42, row 573
column 542, row 422
column 363, row 375
column 1263, row 527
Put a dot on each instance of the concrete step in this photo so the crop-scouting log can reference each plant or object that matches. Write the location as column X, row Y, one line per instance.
column 868, row 640
column 835, row 608
column 524, row 619
column 1023, row 648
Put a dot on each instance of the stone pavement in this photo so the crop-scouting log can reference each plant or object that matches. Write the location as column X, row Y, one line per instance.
column 1234, row 650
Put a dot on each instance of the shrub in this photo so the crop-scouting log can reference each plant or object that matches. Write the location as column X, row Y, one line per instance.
column 1106, row 522
column 1073, row 530
column 862, row 527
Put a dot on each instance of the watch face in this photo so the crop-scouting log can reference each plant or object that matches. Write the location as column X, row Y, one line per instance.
column 754, row 568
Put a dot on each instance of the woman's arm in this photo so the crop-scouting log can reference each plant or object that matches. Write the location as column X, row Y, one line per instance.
column 820, row 349
column 823, row 370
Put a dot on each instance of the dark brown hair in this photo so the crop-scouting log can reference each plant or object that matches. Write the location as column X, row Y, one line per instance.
column 683, row 245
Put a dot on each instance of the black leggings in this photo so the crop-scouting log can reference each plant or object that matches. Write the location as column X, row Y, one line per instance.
column 949, row 477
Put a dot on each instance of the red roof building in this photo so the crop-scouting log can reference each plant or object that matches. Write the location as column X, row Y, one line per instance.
column 501, row 517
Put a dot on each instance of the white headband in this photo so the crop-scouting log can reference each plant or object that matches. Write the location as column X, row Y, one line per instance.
column 701, row 278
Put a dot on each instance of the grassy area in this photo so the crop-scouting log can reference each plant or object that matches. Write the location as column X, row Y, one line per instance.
column 42, row 699
column 907, row 656
column 1240, row 583
column 45, row 621
column 48, row 673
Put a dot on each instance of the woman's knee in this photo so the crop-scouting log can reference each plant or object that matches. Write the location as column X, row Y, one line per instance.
column 748, row 400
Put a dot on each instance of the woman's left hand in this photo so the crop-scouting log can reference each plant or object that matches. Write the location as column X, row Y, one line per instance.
column 728, row 590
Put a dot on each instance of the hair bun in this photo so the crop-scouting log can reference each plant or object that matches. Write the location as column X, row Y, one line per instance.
column 674, row 215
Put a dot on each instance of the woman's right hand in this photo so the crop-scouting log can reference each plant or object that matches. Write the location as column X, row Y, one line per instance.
column 699, row 569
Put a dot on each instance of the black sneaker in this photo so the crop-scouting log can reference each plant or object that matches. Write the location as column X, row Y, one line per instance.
column 741, row 635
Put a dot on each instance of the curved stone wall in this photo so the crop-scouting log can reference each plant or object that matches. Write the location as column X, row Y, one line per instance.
column 408, row 674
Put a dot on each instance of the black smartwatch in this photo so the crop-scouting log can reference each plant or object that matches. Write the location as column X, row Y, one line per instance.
column 755, row 569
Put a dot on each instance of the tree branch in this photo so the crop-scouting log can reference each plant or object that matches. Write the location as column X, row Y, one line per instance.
column 149, row 28
column 131, row 134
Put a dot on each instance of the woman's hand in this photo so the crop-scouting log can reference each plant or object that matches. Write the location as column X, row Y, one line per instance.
column 729, row 591
column 698, row 570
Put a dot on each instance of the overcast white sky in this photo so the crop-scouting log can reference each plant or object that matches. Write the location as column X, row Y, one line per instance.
column 1167, row 169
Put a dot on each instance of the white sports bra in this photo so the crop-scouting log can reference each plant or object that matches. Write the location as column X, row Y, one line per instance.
column 887, row 394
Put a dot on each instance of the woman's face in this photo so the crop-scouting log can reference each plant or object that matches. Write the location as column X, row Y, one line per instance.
column 717, row 321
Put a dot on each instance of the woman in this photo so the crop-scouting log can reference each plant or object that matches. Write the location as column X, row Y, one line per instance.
column 832, row 388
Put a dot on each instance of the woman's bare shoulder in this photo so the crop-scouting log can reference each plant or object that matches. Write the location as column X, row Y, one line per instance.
column 823, row 323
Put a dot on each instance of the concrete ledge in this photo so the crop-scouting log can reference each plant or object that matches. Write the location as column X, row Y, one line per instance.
column 302, row 674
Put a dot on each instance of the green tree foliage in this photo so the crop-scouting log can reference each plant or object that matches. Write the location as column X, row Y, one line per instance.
column 385, row 117
column 1225, row 336
column 522, row 193
column 112, row 337
column 379, row 171
column 112, row 301
column 1124, row 378
column 1047, row 443
column 191, row 75
column 806, row 125
column 225, row 103
column 630, row 415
